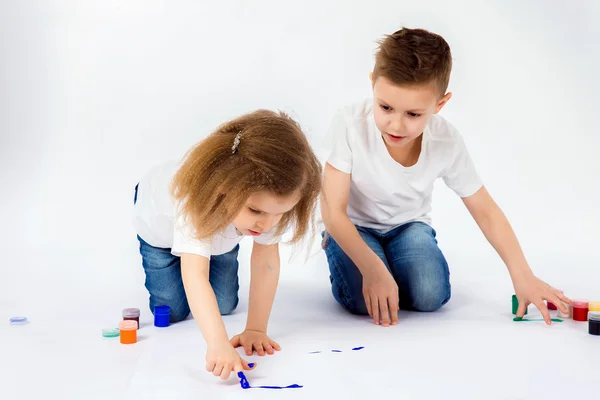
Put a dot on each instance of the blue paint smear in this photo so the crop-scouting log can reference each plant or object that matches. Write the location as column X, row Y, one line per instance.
column 314, row 352
column 359, row 348
column 336, row 351
column 246, row 385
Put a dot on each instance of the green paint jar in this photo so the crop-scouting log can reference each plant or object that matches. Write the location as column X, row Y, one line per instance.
column 515, row 305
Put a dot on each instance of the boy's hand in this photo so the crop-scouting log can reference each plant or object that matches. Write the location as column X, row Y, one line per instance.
column 255, row 340
column 532, row 290
column 381, row 296
column 222, row 358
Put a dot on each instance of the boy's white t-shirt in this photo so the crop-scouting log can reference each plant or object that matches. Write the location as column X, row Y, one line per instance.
column 383, row 193
column 157, row 220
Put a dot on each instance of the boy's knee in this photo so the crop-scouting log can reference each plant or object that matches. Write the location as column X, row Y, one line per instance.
column 430, row 300
column 228, row 305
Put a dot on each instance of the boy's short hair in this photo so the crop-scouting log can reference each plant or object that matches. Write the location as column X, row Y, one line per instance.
column 413, row 57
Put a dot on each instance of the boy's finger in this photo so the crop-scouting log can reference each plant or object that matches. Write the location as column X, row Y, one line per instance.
column 544, row 310
column 521, row 309
column 554, row 299
column 394, row 311
column 375, row 309
column 563, row 298
column 248, row 349
column 368, row 304
column 385, row 312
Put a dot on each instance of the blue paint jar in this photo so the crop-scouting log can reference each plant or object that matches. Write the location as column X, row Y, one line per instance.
column 162, row 316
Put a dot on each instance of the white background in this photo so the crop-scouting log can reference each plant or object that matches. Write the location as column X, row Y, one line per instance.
column 95, row 92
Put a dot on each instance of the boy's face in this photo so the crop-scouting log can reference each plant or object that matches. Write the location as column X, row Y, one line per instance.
column 401, row 112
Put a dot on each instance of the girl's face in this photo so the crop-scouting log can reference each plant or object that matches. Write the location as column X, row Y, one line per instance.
column 262, row 211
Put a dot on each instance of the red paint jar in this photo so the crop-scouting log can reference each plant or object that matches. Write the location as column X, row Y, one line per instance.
column 580, row 311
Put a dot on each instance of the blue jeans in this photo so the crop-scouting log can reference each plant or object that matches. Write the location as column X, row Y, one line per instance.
column 165, row 285
column 411, row 254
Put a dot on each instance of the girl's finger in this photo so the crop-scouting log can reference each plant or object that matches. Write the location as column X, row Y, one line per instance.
column 268, row 348
column 248, row 349
column 259, row 349
column 275, row 345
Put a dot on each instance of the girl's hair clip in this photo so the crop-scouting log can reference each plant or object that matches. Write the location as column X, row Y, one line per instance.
column 236, row 142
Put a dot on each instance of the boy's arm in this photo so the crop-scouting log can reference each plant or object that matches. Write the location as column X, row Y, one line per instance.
column 379, row 288
column 497, row 230
column 264, row 266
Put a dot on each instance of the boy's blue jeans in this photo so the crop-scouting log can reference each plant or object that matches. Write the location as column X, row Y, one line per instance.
column 411, row 254
column 165, row 285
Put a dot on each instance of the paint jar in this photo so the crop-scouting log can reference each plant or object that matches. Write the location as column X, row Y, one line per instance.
column 594, row 306
column 594, row 323
column 128, row 332
column 515, row 304
column 561, row 314
column 162, row 316
column 552, row 306
column 580, row 310
column 132, row 314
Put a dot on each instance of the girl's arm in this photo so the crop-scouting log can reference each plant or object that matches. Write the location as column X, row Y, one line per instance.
column 201, row 298
column 221, row 357
column 497, row 230
column 263, row 285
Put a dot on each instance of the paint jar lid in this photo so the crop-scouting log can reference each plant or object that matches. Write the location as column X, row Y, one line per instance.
column 580, row 303
column 595, row 305
column 110, row 332
column 162, row 310
column 131, row 312
column 19, row 321
column 128, row 325
column 594, row 316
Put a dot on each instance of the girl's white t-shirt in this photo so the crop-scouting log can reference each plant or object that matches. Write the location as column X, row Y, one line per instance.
column 383, row 193
column 157, row 220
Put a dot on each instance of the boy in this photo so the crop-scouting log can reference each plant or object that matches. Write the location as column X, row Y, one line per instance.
column 381, row 249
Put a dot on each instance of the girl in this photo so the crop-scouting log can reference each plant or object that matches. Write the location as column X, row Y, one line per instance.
column 254, row 176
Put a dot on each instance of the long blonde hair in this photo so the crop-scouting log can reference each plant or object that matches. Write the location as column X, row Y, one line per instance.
column 216, row 177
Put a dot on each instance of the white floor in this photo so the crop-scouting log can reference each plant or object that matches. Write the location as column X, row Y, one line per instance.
column 470, row 349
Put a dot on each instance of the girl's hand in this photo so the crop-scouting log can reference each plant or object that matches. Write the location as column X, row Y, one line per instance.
column 255, row 340
column 222, row 358
column 532, row 290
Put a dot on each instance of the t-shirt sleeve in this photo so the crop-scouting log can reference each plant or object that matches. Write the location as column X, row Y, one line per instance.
column 340, row 157
column 185, row 241
column 461, row 175
column 268, row 238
